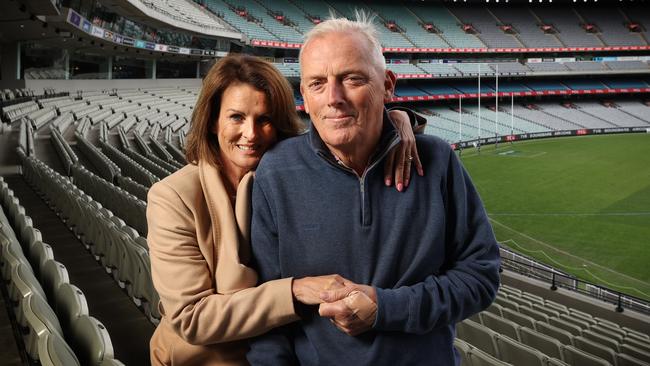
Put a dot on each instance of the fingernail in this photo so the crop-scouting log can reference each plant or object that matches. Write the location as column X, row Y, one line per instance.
column 406, row 183
column 400, row 187
column 421, row 172
column 387, row 182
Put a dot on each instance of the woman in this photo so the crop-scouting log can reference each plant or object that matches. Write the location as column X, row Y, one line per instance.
column 199, row 220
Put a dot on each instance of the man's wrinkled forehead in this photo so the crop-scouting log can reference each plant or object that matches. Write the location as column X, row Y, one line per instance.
column 350, row 52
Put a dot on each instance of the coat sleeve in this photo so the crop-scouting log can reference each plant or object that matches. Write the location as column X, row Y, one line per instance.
column 275, row 347
column 470, row 278
column 180, row 272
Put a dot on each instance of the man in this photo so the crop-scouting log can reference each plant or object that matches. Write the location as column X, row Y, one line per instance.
column 415, row 262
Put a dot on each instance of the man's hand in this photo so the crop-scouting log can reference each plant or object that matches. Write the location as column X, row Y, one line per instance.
column 308, row 290
column 352, row 308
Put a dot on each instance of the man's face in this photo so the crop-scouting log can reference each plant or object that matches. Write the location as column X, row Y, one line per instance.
column 344, row 90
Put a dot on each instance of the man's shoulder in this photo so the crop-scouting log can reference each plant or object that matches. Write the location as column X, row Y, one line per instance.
column 433, row 143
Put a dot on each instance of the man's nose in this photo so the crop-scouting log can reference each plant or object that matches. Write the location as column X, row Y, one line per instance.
column 336, row 94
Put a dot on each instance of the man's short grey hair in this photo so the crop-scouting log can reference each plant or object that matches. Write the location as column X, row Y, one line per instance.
column 361, row 25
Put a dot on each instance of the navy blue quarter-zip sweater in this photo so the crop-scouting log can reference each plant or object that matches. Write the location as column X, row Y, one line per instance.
column 429, row 251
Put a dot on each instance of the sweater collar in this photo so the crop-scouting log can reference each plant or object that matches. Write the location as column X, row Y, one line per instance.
column 388, row 138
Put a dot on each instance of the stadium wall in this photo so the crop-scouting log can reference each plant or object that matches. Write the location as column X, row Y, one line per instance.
column 70, row 85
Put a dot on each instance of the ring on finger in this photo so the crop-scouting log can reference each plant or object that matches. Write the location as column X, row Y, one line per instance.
column 409, row 158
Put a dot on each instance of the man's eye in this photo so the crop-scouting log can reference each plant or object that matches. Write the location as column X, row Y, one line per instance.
column 355, row 79
column 315, row 84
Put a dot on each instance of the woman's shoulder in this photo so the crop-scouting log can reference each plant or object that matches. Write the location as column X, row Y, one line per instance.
column 184, row 181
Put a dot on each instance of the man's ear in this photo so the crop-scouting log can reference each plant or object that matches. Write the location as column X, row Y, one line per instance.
column 304, row 100
column 389, row 85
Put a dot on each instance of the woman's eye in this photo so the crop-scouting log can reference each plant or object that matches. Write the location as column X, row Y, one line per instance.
column 237, row 117
column 264, row 120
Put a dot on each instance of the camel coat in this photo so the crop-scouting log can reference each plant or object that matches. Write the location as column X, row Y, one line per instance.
column 199, row 248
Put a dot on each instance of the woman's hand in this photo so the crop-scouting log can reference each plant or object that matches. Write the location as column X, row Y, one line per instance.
column 397, row 167
column 308, row 290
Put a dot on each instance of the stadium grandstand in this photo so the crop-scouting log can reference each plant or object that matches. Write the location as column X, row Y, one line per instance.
column 96, row 98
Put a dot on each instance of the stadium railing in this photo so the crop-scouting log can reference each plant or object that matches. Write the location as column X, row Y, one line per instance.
column 557, row 279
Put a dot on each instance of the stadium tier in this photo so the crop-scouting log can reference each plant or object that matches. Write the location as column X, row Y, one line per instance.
column 96, row 100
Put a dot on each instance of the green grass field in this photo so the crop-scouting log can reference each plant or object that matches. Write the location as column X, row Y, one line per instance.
column 581, row 204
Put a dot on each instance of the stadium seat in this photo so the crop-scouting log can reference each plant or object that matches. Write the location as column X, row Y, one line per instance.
column 478, row 336
column 575, row 320
column 90, row 340
column 23, row 284
column 500, row 325
column 38, row 254
column 626, row 360
column 546, row 310
column 69, row 304
column 537, row 315
column 635, row 352
column 637, row 342
column 562, row 324
column 595, row 349
column 495, row 309
column 53, row 275
column 54, row 351
column 506, row 303
column 12, row 256
column 576, row 357
column 39, row 319
column 606, row 341
column 472, row 356
column 111, row 362
column 517, row 353
column 545, row 344
column 519, row 318
column 463, row 349
column 560, row 334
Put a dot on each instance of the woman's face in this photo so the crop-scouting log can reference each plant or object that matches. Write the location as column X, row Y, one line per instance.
column 243, row 128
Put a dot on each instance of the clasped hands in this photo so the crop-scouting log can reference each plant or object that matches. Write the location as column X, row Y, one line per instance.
column 351, row 307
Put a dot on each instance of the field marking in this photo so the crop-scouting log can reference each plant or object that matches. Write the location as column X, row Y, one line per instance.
column 577, row 214
column 645, row 283
column 506, row 145
column 583, row 269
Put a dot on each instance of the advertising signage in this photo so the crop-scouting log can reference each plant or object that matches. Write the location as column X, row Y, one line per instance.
column 74, row 18
column 549, row 134
column 80, row 22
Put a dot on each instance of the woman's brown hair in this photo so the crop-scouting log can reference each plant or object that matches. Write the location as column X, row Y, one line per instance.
column 201, row 143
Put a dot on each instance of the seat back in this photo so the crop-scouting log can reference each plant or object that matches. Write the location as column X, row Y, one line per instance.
column 90, row 340
column 595, row 349
column 477, row 335
column 53, row 274
column 69, row 304
column 576, row 357
column 501, row 325
column 39, row 319
column 54, row 351
column 545, row 344
column 517, row 353
column 561, row 335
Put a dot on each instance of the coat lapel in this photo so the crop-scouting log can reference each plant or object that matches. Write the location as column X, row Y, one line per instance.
column 230, row 230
